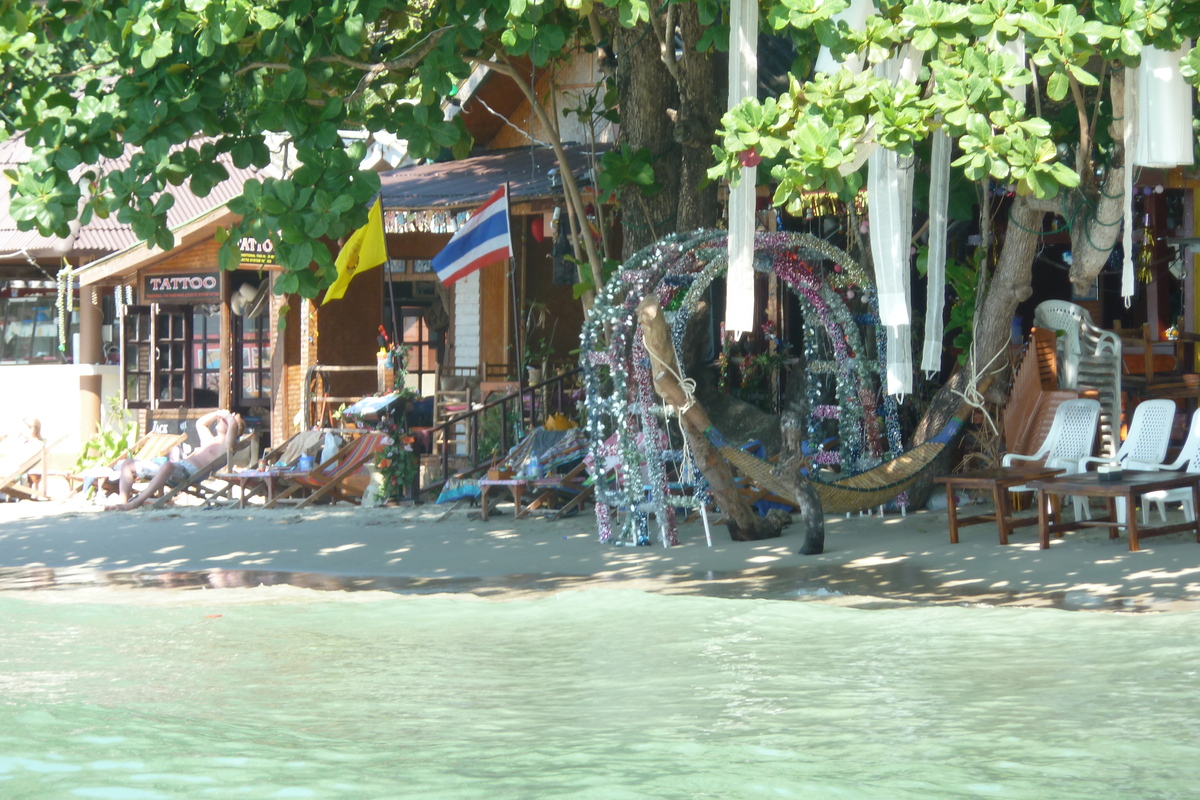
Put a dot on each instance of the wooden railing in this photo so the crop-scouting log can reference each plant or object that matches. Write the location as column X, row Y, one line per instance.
column 533, row 403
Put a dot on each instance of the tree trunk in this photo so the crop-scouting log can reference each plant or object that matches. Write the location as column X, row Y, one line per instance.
column 1097, row 215
column 741, row 521
column 1012, row 282
column 1094, row 215
column 701, row 103
column 646, row 89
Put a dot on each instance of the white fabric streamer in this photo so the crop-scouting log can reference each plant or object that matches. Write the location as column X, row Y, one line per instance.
column 855, row 15
column 743, row 83
column 1164, row 111
column 935, row 273
column 889, row 198
column 1158, row 131
column 1016, row 46
column 1131, row 134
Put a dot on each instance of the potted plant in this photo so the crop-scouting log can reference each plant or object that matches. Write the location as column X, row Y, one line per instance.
column 538, row 346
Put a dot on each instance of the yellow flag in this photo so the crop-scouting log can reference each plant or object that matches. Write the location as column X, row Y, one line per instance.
column 365, row 249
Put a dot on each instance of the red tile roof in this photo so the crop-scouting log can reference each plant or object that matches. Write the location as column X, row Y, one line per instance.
column 106, row 235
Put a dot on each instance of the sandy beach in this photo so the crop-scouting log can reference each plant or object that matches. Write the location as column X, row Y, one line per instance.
column 868, row 561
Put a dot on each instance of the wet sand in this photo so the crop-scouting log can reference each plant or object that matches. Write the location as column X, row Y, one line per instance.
column 868, row 561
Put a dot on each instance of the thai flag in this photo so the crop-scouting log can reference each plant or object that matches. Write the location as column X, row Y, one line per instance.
column 483, row 239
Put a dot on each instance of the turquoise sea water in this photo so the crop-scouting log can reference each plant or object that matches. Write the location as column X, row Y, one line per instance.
column 596, row 694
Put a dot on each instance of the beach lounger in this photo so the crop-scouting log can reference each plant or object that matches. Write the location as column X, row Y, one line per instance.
column 149, row 447
column 555, row 449
column 331, row 478
column 280, row 463
column 15, row 463
column 194, row 485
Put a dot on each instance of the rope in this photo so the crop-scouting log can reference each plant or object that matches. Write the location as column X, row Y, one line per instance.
column 973, row 397
column 688, row 385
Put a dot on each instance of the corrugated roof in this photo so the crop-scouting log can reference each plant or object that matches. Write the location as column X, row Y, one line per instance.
column 108, row 235
column 470, row 181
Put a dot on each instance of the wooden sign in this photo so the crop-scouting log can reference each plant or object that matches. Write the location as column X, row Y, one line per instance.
column 182, row 287
column 256, row 253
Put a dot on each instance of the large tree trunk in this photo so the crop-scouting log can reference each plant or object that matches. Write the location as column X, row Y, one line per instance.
column 701, row 103
column 1012, row 282
column 646, row 89
column 1098, row 213
column 1094, row 211
column 673, row 109
column 741, row 521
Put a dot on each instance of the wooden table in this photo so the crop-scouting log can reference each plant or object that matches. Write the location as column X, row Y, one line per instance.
column 999, row 481
column 265, row 477
column 1131, row 486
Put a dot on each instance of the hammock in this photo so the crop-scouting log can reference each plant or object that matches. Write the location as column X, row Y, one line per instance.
column 860, row 492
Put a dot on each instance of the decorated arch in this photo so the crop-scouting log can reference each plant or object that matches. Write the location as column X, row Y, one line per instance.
column 645, row 471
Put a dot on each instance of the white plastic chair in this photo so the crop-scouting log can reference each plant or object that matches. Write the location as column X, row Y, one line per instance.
column 1071, row 437
column 1080, row 336
column 1189, row 460
column 1145, row 445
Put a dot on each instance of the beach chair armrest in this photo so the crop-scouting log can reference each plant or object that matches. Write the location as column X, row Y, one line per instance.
column 1146, row 465
column 1088, row 460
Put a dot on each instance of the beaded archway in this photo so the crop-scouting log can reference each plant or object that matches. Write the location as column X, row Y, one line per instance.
column 627, row 425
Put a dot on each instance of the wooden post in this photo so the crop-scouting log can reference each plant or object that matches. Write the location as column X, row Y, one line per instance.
column 743, row 524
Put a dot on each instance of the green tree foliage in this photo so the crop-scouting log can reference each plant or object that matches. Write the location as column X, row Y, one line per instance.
column 813, row 133
column 184, row 84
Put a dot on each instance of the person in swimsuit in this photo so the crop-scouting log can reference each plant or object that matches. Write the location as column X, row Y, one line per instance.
column 218, row 432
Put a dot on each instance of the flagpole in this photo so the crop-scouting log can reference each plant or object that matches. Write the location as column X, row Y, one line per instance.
column 512, row 280
column 391, row 287
column 518, row 344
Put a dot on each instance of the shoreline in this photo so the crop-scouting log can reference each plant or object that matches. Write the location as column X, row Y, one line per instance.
column 430, row 550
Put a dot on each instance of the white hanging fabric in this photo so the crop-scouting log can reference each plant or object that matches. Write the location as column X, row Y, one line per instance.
column 1016, row 47
column 1130, row 137
column 935, row 272
column 1158, row 131
column 855, row 15
column 1164, row 110
column 743, row 83
column 889, row 201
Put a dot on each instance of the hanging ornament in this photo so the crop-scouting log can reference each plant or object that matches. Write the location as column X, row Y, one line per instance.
column 64, row 304
column 1145, row 256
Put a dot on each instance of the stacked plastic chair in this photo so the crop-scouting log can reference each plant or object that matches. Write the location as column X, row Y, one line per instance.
column 1089, row 358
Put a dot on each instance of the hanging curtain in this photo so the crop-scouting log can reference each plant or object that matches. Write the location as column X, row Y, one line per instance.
column 743, row 83
column 889, row 197
column 935, row 273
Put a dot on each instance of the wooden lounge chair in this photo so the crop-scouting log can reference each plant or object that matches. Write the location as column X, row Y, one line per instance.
column 280, row 462
column 195, row 487
column 558, row 450
column 15, row 463
column 149, row 447
column 331, row 477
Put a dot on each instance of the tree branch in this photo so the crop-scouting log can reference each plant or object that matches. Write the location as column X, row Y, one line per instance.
column 253, row 65
column 570, row 187
column 666, row 42
column 1083, row 158
column 411, row 57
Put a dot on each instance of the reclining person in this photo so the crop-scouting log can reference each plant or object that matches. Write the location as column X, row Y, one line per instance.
column 218, row 432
